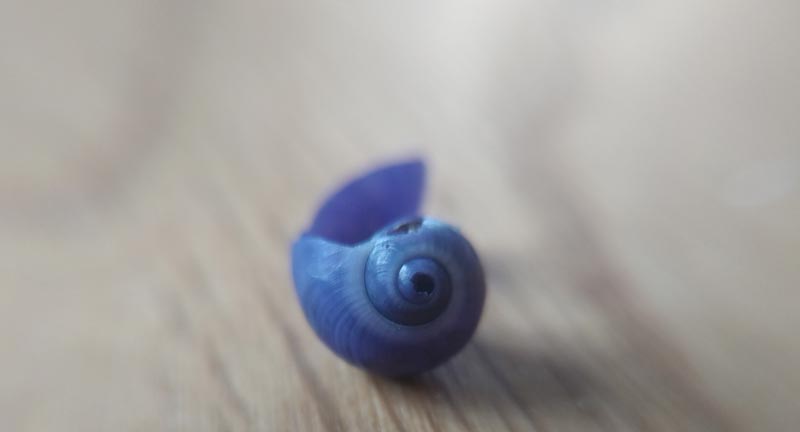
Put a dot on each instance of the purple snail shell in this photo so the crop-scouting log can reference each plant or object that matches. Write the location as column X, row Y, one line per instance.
column 387, row 290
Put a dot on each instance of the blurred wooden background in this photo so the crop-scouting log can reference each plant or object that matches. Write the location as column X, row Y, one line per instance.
column 629, row 171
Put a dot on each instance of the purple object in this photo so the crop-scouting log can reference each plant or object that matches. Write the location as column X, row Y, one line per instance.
column 384, row 288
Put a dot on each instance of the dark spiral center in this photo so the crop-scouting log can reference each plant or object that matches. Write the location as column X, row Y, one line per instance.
column 423, row 283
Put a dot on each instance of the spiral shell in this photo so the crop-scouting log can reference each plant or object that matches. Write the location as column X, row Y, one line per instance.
column 387, row 290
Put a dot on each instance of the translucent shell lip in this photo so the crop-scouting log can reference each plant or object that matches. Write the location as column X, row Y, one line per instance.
column 384, row 288
column 370, row 202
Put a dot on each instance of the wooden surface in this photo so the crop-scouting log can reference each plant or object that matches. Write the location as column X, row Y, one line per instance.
column 629, row 172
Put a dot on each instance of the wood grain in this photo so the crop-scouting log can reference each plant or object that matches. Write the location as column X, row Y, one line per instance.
column 629, row 172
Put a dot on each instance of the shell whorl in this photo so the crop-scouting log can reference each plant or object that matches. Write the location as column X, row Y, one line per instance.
column 404, row 277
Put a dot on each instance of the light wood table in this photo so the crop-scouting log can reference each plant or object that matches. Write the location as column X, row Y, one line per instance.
column 629, row 172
